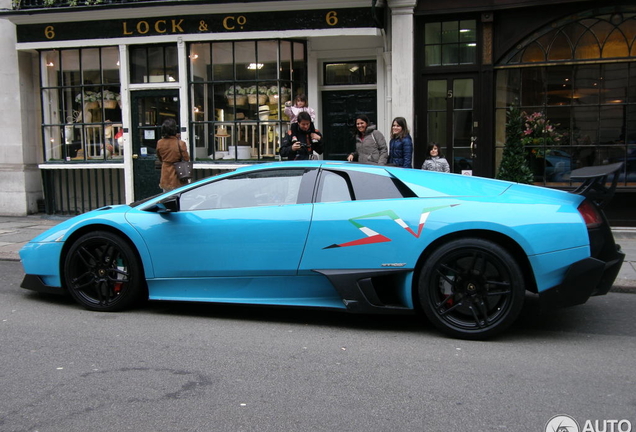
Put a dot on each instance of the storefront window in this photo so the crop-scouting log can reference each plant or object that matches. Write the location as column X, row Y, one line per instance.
column 350, row 73
column 238, row 91
column 154, row 64
column 589, row 102
column 80, row 104
column 450, row 43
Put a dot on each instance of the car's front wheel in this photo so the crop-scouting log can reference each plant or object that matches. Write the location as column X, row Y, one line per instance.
column 471, row 288
column 102, row 272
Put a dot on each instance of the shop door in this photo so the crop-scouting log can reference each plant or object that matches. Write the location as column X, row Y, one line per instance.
column 149, row 109
column 339, row 109
column 451, row 123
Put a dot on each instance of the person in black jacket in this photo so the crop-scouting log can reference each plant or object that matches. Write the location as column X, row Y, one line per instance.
column 302, row 140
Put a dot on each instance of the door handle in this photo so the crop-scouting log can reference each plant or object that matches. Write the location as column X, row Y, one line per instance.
column 135, row 156
column 473, row 146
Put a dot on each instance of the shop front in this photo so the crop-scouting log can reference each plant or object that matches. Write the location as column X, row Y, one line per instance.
column 224, row 74
column 569, row 68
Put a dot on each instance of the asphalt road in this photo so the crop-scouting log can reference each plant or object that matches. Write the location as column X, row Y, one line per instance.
column 185, row 367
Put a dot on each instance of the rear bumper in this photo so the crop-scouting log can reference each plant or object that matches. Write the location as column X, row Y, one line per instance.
column 583, row 279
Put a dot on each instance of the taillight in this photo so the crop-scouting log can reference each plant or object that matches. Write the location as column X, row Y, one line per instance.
column 590, row 214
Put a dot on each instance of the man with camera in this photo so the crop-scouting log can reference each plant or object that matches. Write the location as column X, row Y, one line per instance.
column 302, row 140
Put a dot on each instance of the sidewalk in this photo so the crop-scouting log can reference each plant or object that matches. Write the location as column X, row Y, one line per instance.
column 16, row 231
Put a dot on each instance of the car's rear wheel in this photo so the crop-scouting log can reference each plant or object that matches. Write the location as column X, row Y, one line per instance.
column 471, row 288
column 102, row 272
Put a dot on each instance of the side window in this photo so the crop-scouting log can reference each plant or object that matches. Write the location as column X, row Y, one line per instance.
column 333, row 187
column 265, row 188
column 350, row 185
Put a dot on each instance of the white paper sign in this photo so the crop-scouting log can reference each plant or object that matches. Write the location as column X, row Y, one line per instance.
column 149, row 134
column 467, row 172
column 144, row 151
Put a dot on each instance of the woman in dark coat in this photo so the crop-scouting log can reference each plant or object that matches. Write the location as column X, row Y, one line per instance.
column 170, row 149
column 401, row 144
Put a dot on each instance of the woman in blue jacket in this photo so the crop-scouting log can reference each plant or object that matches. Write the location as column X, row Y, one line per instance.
column 401, row 144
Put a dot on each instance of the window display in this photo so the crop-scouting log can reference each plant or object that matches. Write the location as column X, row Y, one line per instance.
column 81, row 105
column 238, row 92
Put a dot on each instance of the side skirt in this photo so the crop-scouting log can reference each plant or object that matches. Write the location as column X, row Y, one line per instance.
column 371, row 291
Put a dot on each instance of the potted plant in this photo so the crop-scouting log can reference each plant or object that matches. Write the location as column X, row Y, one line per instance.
column 89, row 99
column 108, row 99
column 235, row 95
column 257, row 95
column 272, row 94
column 285, row 94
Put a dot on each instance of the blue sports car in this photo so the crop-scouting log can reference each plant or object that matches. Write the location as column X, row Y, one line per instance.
column 461, row 250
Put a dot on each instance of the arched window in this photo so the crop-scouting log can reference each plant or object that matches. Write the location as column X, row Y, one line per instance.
column 578, row 74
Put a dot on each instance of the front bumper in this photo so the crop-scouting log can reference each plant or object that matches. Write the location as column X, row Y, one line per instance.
column 583, row 279
column 35, row 283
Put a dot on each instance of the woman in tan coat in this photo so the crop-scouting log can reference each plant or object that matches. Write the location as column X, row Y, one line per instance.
column 168, row 153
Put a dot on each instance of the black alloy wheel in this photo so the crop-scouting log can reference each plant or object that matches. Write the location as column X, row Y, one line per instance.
column 471, row 288
column 103, row 273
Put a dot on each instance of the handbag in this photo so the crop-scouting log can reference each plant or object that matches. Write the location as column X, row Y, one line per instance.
column 183, row 168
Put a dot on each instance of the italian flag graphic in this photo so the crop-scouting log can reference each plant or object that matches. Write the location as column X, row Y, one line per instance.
column 372, row 236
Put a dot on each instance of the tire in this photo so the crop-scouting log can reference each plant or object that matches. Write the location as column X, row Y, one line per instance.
column 471, row 288
column 102, row 272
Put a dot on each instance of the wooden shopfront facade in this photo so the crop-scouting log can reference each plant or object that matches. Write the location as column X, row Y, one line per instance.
column 223, row 71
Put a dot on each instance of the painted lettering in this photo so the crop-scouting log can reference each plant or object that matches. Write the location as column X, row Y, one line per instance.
column 143, row 27
column 160, row 26
column 176, row 26
column 229, row 22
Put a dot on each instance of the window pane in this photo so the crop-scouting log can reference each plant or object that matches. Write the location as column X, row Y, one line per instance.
column 450, row 55
column 285, row 60
column 171, row 62
column 433, row 55
column 437, row 128
column 268, row 57
column 363, row 72
column 559, row 85
column 110, row 65
column 585, row 125
column 468, row 31
column 200, row 62
column 586, row 84
column 138, row 65
column 614, row 83
column 156, row 70
column 50, row 69
column 91, row 67
column 245, row 53
column 463, row 94
column 433, row 33
column 612, row 124
column 532, row 82
column 450, row 32
column 468, row 53
column 437, row 95
column 298, row 71
column 333, row 188
column 223, row 61
column 71, row 68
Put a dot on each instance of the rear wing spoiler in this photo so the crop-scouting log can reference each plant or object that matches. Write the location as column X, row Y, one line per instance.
column 594, row 180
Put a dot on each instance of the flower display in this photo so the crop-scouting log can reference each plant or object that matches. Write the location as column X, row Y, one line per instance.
column 538, row 132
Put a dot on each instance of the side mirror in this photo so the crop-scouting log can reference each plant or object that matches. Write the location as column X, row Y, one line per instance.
column 168, row 205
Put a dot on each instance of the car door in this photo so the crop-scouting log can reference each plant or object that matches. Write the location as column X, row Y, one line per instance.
column 245, row 225
column 362, row 221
